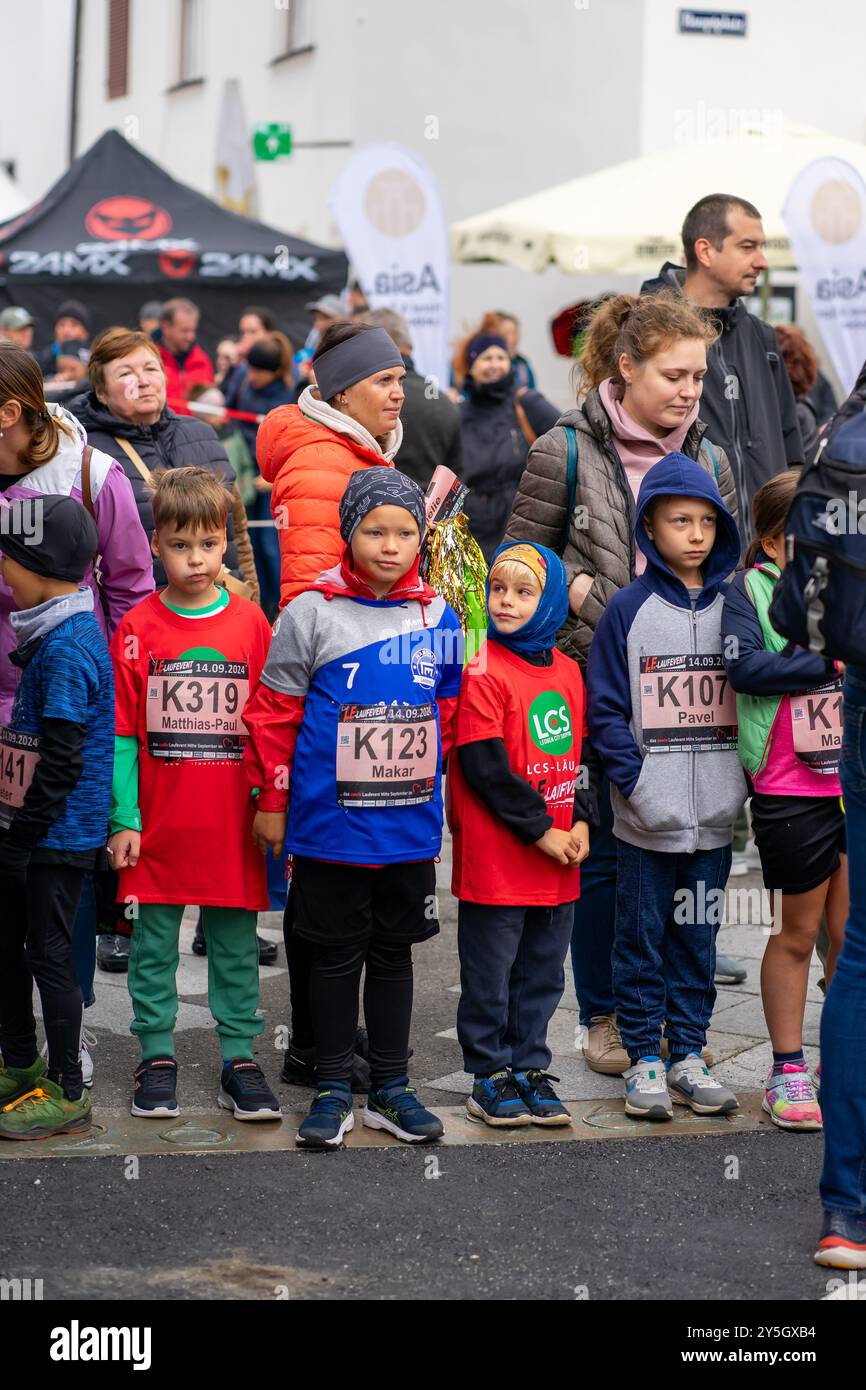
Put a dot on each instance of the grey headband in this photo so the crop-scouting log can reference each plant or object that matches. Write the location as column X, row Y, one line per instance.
column 357, row 358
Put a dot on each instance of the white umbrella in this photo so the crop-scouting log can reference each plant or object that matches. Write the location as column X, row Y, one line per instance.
column 626, row 219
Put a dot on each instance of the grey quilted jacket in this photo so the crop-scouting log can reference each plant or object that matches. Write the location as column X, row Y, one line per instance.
column 600, row 539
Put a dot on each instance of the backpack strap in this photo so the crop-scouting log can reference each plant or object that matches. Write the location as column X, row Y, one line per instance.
column 86, row 488
column 570, row 477
column 714, row 458
column 134, row 456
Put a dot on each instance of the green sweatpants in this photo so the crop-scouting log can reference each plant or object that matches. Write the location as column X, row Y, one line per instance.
column 232, row 977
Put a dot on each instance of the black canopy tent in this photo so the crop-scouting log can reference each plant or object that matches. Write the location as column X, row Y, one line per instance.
column 117, row 230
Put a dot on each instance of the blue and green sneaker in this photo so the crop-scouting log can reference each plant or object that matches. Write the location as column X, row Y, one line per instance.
column 539, row 1097
column 45, row 1111
column 495, row 1100
column 397, row 1109
column 329, row 1119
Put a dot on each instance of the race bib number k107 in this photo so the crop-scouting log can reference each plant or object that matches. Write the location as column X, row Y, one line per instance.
column 686, row 705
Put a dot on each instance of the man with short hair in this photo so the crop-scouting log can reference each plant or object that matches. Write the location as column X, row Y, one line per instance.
column 16, row 326
column 184, row 362
column 431, row 420
column 748, row 402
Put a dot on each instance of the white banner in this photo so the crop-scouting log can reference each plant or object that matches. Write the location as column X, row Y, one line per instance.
column 825, row 213
column 386, row 205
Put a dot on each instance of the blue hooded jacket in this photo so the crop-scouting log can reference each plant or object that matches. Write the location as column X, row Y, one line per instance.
column 679, row 787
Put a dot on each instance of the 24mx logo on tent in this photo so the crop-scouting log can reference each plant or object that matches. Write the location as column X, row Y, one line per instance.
column 125, row 218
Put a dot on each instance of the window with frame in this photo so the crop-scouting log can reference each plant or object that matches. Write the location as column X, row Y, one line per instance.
column 118, row 48
column 191, row 41
column 296, row 29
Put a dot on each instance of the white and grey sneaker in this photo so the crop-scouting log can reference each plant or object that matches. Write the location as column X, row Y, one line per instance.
column 646, row 1090
column 691, row 1084
column 88, row 1042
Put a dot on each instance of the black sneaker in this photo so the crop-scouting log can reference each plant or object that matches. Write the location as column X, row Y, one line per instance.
column 539, row 1097
column 244, row 1090
column 154, row 1095
column 112, row 952
column 199, row 945
column 267, row 949
column 299, row 1066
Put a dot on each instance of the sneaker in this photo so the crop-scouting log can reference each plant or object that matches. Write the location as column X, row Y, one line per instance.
column 88, row 1042
column 330, row 1117
column 397, row 1109
column 45, row 1111
column 244, row 1090
column 729, row 972
column 539, row 1097
column 790, row 1099
column 154, row 1095
column 267, row 949
column 299, row 1066
column 843, row 1241
column 199, row 945
column 112, row 952
column 690, row 1084
column 495, row 1100
column 17, row 1081
column 603, row 1048
column 745, row 861
column 706, row 1054
column 646, row 1090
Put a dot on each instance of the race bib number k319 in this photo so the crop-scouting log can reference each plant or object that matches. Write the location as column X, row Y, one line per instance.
column 386, row 755
column 686, row 705
column 193, row 709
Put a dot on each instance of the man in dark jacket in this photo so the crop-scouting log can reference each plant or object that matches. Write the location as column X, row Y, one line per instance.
column 747, row 402
column 184, row 362
column 431, row 422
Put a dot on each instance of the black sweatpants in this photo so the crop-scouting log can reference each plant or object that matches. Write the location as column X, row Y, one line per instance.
column 342, row 919
column 36, row 921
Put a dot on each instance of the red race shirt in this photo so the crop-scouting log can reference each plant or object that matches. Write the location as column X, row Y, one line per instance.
column 539, row 713
column 181, row 685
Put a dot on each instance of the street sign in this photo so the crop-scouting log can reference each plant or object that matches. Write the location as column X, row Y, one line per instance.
column 272, row 141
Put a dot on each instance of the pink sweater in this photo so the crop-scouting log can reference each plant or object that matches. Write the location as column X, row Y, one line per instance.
column 637, row 448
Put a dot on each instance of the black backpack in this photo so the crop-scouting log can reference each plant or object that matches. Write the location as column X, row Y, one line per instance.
column 820, row 600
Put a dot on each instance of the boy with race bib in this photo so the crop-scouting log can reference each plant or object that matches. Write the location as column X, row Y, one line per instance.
column 662, row 717
column 520, row 813
column 55, row 780
column 789, row 712
column 186, row 660
column 348, row 729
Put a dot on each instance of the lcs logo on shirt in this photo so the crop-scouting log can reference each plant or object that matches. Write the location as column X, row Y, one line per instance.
column 424, row 668
column 550, row 722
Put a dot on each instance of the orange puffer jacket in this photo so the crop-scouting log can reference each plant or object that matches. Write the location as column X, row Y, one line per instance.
column 309, row 466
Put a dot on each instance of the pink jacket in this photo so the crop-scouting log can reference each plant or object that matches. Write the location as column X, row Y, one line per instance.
column 126, row 561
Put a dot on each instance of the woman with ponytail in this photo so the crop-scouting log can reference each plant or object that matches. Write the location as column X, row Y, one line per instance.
column 789, row 721
column 642, row 367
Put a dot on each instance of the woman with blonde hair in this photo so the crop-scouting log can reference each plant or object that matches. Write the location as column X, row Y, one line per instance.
column 643, row 364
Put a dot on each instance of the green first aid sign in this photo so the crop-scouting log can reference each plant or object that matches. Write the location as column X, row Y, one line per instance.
column 272, row 141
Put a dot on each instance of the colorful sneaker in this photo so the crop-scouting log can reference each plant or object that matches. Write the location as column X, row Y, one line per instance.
column 646, row 1090
column 244, row 1090
column 790, row 1099
column 17, row 1081
column 397, row 1109
column 154, row 1094
column 495, row 1100
column 539, row 1097
column 691, row 1084
column 329, row 1119
column 843, row 1241
column 45, row 1111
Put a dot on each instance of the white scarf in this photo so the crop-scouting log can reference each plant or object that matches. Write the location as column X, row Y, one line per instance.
column 313, row 408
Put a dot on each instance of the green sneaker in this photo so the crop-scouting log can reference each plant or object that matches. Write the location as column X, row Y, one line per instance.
column 45, row 1111
column 17, row 1081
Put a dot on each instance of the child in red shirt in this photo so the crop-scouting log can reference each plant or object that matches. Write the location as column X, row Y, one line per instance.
column 186, row 660
column 520, row 813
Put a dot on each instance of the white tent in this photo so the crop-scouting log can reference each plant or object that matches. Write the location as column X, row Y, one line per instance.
column 626, row 219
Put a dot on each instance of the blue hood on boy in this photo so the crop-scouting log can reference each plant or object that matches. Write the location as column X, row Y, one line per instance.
column 678, row 476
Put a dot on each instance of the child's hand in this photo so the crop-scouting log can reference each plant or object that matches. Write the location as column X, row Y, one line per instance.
column 269, row 831
column 559, row 845
column 580, row 839
column 124, row 848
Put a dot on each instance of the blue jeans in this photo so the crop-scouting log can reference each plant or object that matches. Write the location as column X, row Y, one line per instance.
column 594, row 919
column 668, row 914
column 512, row 975
column 84, row 940
column 843, row 1025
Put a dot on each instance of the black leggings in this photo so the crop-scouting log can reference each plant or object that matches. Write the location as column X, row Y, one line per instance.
column 36, row 944
column 334, row 979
